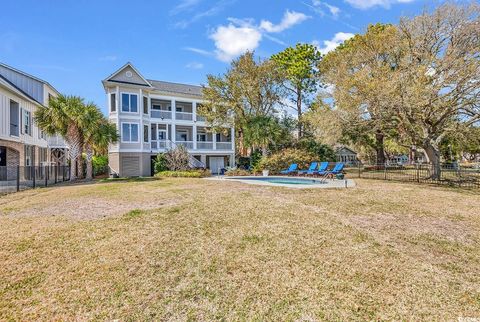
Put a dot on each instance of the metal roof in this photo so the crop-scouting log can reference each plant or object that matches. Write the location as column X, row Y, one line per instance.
column 177, row 88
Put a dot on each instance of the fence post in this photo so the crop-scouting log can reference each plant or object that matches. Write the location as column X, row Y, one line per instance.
column 46, row 175
column 418, row 172
column 56, row 173
column 385, row 170
column 18, row 178
column 359, row 171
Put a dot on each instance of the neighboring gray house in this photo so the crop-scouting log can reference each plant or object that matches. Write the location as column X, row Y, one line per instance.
column 152, row 116
column 21, row 142
column 346, row 155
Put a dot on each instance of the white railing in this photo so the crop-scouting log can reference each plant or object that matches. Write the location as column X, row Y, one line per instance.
column 56, row 141
column 200, row 118
column 187, row 144
column 159, row 145
column 224, row 145
column 184, row 116
column 205, row 145
column 161, row 114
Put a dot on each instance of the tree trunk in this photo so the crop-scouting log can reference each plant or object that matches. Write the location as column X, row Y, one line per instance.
column 264, row 151
column 379, row 147
column 299, row 113
column 89, row 152
column 433, row 154
column 80, row 166
column 73, row 138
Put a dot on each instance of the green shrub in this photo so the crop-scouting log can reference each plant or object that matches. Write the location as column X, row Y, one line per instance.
column 283, row 159
column 100, row 164
column 184, row 174
column 160, row 163
column 323, row 152
column 237, row 172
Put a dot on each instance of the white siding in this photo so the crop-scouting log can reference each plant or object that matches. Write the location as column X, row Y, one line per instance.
column 5, row 97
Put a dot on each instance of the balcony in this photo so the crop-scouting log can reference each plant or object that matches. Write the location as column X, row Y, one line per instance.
column 184, row 116
column 205, row 145
column 187, row 144
column 161, row 114
column 160, row 145
column 56, row 141
column 224, row 145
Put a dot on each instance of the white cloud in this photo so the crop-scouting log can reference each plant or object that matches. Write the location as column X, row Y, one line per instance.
column 242, row 35
column 232, row 41
column 184, row 5
column 198, row 51
column 290, row 18
column 194, row 65
column 366, row 4
column 320, row 6
column 329, row 45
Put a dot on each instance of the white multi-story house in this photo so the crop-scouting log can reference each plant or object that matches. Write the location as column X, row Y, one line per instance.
column 153, row 116
column 22, row 143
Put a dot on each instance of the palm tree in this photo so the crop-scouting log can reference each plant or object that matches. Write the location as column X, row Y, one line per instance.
column 63, row 116
column 98, row 135
column 261, row 131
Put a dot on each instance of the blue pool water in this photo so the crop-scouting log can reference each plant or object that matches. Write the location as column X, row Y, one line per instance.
column 282, row 180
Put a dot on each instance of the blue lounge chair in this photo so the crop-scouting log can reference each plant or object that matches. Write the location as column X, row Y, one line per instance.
column 293, row 168
column 321, row 169
column 336, row 170
column 313, row 167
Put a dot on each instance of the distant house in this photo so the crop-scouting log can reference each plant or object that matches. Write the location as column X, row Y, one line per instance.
column 22, row 143
column 153, row 116
column 346, row 155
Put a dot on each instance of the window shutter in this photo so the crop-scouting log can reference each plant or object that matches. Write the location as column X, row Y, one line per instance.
column 30, row 122
column 21, row 120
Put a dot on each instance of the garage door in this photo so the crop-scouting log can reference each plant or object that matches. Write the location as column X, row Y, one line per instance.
column 130, row 167
column 216, row 163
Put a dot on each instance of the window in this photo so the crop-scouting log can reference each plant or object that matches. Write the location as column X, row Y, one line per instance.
column 43, row 156
column 113, row 105
column 162, row 135
column 130, row 132
column 145, row 105
column 27, row 122
column 129, row 103
column 178, row 109
column 29, row 155
column 202, row 137
column 145, row 133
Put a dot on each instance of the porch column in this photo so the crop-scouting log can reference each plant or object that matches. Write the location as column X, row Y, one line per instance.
column 194, row 136
column 214, row 139
column 194, row 111
column 232, row 138
column 173, row 109
column 174, row 130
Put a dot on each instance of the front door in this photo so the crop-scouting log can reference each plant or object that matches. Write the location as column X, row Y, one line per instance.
column 3, row 163
column 216, row 163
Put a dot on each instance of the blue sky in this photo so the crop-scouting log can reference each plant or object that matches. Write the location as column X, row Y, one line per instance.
column 75, row 44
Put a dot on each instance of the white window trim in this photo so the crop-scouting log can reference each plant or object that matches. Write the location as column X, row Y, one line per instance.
column 148, row 133
column 130, row 101
column 110, row 102
column 138, row 134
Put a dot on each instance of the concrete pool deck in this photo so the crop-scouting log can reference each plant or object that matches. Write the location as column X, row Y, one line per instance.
column 329, row 183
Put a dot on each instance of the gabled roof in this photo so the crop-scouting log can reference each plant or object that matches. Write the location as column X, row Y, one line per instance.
column 28, row 75
column 344, row 148
column 134, row 79
column 177, row 88
column 6, row 83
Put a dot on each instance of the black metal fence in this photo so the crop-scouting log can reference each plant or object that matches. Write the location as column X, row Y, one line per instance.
column 465, row 177
column 13, row 179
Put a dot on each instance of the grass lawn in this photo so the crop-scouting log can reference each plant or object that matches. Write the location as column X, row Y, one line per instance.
column 180, row 249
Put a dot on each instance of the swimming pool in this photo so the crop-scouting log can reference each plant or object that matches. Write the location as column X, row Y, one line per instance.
column 290, row 182
column 282, row 180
